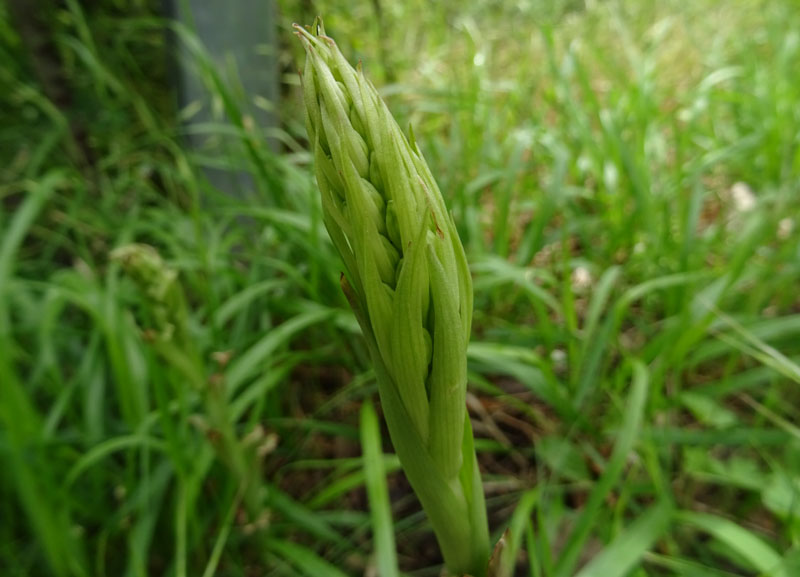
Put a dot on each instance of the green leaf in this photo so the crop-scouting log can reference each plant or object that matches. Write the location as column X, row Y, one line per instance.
column 308, row 562
column 563, row 457
column 257, row 357
column 627, row 549
column 378, row 493
column 593, row 509
column 747, row 546
column 781, row 495
column 108, row 447
column 513, row 537
column 707, row 410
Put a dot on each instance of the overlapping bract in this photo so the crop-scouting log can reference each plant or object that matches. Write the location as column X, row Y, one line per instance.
column 408, row 281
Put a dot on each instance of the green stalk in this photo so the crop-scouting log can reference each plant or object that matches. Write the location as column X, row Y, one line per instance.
column 408, row 282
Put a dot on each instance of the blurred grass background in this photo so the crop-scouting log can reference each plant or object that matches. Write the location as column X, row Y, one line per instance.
column 626, row 180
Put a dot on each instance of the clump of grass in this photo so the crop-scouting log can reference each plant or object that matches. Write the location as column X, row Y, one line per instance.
column 634, row 350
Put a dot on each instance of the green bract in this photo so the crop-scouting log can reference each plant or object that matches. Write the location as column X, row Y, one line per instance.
column 408, row 282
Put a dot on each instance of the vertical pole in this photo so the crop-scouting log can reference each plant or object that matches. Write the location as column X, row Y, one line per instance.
column 242, row 32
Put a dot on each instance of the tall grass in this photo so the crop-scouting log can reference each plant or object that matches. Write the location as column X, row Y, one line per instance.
column 634, row 365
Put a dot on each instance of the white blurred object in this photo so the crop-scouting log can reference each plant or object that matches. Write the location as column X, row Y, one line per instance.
column 581, row 279
column 743, row 198
column 785, row 228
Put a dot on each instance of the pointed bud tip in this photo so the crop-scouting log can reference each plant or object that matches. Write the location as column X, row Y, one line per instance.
column 319, row 25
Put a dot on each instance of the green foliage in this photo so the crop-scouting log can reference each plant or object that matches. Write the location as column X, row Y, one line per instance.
column 624, row 177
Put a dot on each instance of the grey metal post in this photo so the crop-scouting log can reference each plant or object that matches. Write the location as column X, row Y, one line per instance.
column 240, row 31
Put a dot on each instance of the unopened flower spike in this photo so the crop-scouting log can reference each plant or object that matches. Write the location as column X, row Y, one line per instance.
column 407, row 279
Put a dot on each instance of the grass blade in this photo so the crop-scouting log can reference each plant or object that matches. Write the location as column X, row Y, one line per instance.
column 627, row 549
column 624, row 445
column 304, row 559
column 378, row 493
column 744, row 543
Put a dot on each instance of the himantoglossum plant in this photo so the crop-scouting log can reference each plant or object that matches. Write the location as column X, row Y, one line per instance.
column 408, row 282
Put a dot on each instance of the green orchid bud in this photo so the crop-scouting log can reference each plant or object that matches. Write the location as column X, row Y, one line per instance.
column 407, row 279
column 159, row 286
